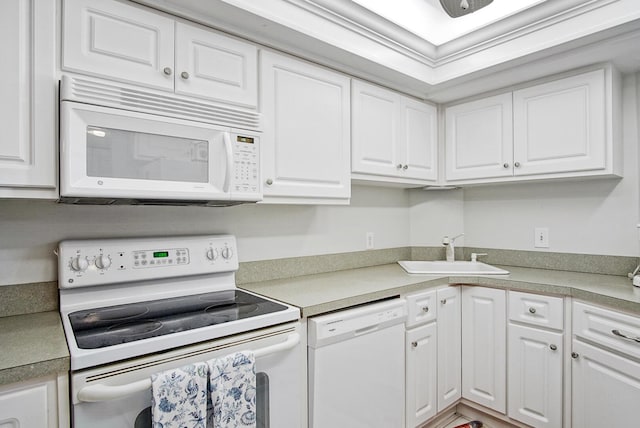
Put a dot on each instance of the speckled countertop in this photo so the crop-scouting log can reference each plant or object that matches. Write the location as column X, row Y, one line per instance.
column 316, row 294
column 31, row 346
column 34, row 345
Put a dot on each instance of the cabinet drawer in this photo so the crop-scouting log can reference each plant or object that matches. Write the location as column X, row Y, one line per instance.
column 421, row 308
column 534, row 309
column 617, row 331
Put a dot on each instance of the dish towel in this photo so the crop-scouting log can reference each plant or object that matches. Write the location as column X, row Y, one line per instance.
column 232, row 384
column 179, row 397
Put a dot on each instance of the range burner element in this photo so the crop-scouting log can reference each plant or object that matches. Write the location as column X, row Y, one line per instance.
column 99, row 328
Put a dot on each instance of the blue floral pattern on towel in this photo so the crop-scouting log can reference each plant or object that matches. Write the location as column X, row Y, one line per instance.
column 232, row 384
column 179, row 397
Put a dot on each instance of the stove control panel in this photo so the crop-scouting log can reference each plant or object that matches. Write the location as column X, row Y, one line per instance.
column 83, row 263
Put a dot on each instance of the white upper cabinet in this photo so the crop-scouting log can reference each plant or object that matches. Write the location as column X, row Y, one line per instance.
column 560, row 126
column 394, row 136
column 479, row 139
column 211, row 65
column 567, row 127
column 135, row 45
column 28, row 148
column 306, row 140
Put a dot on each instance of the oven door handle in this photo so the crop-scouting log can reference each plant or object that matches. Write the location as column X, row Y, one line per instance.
column 100, row 392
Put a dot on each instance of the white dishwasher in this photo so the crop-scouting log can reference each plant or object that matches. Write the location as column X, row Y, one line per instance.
column 356, row 367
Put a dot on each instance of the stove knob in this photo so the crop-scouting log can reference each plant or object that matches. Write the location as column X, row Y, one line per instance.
column 212, row 254
column 227, row 253
column 103, row 261
column 79, row 264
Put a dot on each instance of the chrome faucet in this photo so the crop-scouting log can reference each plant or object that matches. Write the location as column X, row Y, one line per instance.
column 450, row 249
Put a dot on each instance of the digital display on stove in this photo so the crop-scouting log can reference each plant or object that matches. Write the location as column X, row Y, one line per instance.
column 157, row 254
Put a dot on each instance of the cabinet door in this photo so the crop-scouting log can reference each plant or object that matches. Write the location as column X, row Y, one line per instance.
column 118, row 40
column 449, row 347
column 305, row 145
column 376, row 136
column 28, row 148
column 479, row 139
column 483, row 347
column 210, row 65
column 26, row 407
column 419, row 140
column 535, row 376
column 560, row 126
column 606, row 388
column 421, row 374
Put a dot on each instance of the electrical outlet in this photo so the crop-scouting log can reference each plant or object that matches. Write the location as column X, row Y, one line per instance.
column 370, row 241
column 541, row 239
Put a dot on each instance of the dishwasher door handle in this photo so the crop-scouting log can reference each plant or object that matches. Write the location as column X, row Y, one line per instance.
column 101, row 392
column 366, row 330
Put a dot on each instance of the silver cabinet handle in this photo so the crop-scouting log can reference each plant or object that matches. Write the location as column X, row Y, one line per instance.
column 443, row 301
column 167, row 71
column 184, row 75
column 414, row 344
column 425, row 309
column 517, row 164
column 505, row 165
column 399, row 166
column 405, row 167
column 574, row 355
column 532, row 310
column 269, row 181
column 624, row 336
column 553, row 347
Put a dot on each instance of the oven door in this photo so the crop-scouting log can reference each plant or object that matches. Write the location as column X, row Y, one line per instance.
column 119, row 395
column 111, row 153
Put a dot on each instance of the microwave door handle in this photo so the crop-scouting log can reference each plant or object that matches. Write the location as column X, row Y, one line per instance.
column 229, row 150
column 99, row 392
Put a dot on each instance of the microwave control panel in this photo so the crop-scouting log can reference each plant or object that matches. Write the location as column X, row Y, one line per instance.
column 246, row 159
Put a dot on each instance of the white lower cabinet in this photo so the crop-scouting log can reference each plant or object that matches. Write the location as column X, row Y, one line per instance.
column 35, row 404
column 606, row 388
column 449, row 347
column 421, row 374
column 432, row 353
column 605, row 367
column 484, row 347
column 535, row 376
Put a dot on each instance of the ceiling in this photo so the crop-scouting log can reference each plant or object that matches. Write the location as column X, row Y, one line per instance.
column 427, row 19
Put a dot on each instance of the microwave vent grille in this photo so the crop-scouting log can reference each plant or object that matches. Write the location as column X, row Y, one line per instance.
column 137, row 99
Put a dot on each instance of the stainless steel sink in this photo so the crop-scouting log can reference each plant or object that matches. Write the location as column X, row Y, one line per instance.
column 460, row 268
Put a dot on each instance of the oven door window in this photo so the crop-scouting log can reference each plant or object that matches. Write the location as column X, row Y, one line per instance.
column 117, row 153
column 143, row 420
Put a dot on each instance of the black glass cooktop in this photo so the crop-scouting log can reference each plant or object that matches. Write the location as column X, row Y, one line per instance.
column 113, row 325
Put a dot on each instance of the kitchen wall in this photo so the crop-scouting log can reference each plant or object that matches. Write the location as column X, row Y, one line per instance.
column 592, row 217
column 587, row 217
column 30, row 230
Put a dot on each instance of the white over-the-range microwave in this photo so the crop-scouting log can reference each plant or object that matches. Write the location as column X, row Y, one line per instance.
column 121, row 144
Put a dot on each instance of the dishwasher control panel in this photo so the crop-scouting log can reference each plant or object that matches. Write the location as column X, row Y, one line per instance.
column 337, row 326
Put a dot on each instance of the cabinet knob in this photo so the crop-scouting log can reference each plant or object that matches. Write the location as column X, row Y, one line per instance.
column 167, row 71
column 184, row 75
column 414, row 344
column 574, row 355
column 532, row 310
column 517, row 164
column 399, row 166
column 269, row 181
column 405, row 167
column 553, row 347
column 505, row 165
column 443, row 301
column 425, row 309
